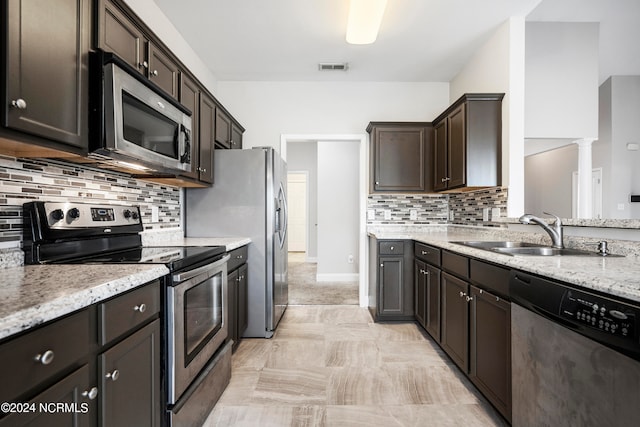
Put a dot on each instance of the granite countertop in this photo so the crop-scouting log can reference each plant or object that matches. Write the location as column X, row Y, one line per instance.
column 614, row 276
column 34, row 294
column 230, row 243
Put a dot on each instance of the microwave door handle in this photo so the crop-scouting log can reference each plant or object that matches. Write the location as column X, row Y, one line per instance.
column 184, row 145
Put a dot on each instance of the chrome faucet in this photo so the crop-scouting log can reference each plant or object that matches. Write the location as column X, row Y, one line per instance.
column 555, row 231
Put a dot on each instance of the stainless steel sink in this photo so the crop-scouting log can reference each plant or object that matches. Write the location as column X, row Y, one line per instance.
column 526, row 248
column 543, row 251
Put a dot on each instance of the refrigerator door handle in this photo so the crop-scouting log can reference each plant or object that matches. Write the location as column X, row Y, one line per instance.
column 281, row 223
column 286, row 213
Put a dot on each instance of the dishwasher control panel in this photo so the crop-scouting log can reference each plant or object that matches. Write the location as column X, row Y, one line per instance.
column 600, row 313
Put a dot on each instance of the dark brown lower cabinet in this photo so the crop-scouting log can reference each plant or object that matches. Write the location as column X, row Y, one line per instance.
column 237, row 293
column 433, row 302
column 420, row 297
column 43, row 410
column 391, row 290
column 490, row 348
column 130, row 380
column 455, row 320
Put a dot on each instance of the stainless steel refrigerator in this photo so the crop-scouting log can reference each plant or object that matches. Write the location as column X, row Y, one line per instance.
column 248, row 199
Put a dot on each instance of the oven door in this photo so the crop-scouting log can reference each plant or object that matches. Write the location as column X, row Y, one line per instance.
column 197, row 322
column 143, row 125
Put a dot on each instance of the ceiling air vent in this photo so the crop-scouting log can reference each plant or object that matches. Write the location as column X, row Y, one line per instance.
column 333, row 66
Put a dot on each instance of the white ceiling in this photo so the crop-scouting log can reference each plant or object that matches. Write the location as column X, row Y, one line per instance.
column 419, row 40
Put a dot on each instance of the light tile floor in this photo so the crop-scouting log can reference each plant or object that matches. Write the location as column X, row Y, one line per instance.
column 332, row 366
column 304, row 289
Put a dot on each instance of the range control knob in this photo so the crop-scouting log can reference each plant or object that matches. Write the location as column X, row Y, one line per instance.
column 74, row 213
column 57, row 214
column 134, row 215
column 127, row 213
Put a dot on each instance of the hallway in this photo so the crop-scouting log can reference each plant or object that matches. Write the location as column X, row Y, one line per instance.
column 304, row 289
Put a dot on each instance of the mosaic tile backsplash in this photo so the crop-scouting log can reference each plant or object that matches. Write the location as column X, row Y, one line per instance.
column 477, row 208
column 24, row 180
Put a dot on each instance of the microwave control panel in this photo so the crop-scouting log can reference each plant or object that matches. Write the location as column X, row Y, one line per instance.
column 79, row 215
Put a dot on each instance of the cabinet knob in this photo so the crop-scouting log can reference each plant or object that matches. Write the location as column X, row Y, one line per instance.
column 143, row 64
column 113, row 375
column 204, row 170
column 377, row 182
column 19, row 103
column 446, row 179
column 232, row 142
column 238, row 256
column 45, row 358
column 141, row 308
column 392, row 247
column 462, row 294
column 91, row 394
column 425, row 253
column 497, row 299
column 381, row 265
column 154, row 73
column 469, row 298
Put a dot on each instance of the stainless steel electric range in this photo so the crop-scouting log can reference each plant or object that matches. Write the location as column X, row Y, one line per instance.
column 197, row 350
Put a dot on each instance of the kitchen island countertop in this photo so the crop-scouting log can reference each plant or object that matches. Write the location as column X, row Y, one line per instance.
column 35, row 294
column 617, row 276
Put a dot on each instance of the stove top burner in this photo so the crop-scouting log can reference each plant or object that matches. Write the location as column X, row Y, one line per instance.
column 174, row 257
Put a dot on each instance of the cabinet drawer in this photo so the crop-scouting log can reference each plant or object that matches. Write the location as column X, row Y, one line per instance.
column 427, row 253
column 123, row 313
column 43, row 353
column 391, row 247
column 456, row 264
column 238, row 257
column 490, row 277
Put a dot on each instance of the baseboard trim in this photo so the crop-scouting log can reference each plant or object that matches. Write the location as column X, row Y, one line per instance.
column 343, row 277
column 311, row 259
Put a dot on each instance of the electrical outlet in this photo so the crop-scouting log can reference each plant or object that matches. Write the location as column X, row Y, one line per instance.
column 495, row 213
column 155, row 214
column 620, row 206
column 387, row 214
column 350, row 259
column 413, row 214
column 451, row 217
column 485, row 214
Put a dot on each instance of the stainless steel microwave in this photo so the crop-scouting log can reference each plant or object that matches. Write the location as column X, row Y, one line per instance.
column 135, row 123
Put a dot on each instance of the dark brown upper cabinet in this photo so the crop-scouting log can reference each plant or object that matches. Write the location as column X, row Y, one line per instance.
column 118, row 33
column 46, row 72
column 228, row 132
column 401, row 157
column 190, row 99
column 468, row 143
column 207, row 138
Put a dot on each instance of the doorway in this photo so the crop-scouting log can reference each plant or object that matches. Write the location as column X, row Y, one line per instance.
column 326, row 147
column 297, row 187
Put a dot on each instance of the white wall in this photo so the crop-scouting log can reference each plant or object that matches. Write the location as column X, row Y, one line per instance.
column 498, row 67
column 548, row 181
column 561, row 80
column 338, row 210
column 269, row 109
column 620, row 125
column 303, row 156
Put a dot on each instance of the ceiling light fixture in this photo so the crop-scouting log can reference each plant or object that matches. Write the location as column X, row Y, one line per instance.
column 364, row 20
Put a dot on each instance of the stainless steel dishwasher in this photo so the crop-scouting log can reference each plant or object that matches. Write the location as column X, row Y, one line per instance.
column 575, row 356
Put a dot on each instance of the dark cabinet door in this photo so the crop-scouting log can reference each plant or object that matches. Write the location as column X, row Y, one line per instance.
column 119, row 35
column 223, row 129
column 420, row 292
column 440, row 156
column 74, row 391
column 190, row 98
column 243, row 317
column 455, row 320
column 391, row 280
column 232, row 301
column 490, row 348
column 236, row 137
column 399, row 159
column 163, row 71
column 47, row 69
column 130, row 380
column 432, row 305
column 207, row 143
column 457, row 151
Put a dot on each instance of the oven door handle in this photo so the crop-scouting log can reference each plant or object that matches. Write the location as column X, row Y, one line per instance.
column 181, row 277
